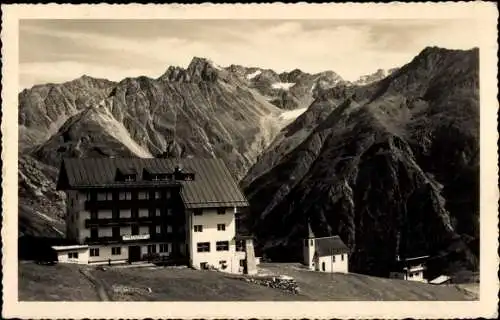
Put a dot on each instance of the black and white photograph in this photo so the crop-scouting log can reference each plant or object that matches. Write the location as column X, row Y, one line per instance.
column 282, row 153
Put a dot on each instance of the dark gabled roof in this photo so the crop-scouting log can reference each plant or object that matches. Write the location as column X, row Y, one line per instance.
column 330, row 245
column 213, row 185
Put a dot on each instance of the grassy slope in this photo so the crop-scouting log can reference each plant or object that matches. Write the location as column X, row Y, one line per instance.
column 59, row 283
column 323, row 286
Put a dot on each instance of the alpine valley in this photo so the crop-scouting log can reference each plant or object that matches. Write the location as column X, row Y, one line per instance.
column 389, row 162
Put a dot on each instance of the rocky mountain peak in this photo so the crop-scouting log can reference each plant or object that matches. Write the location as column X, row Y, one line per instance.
column 199, row 69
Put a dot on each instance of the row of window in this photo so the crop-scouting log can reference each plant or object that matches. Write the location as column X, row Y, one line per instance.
column 127, row 213
column 199, row 227
column 141, row 195
column 116, row 251
column 116, row 232
column 219, row 246
column 199, row 212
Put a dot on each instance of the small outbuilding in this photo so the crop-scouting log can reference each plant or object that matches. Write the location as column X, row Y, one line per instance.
column 325, row 254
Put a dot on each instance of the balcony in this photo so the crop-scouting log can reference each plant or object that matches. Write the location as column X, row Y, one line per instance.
column 122, row 221
column 125, row 204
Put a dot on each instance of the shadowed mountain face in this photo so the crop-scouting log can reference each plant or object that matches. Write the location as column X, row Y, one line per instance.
column 208, row 111
column 203, row 111
column 392, row 167
column 390, row 163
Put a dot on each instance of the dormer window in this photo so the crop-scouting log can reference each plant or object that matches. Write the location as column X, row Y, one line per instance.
column 153, row 174
column 130, row 178
column 126, row 174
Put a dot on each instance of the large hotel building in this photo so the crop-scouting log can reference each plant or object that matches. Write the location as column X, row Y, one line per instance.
column 125, row 210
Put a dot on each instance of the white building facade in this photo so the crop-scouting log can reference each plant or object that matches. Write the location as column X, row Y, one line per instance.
column 411, row 269
column 325, row 254
column 149, row 209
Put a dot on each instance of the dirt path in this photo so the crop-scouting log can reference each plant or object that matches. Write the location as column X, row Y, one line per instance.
column 99, row 286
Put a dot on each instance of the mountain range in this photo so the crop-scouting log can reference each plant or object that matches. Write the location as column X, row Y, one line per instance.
column 389, row 162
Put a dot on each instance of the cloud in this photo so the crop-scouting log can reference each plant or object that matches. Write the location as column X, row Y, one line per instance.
column 114, row 48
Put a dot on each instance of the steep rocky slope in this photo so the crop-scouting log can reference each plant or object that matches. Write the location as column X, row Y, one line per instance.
column 392, row 167
column 287, row 90
column 43, row 108
column 209, row 111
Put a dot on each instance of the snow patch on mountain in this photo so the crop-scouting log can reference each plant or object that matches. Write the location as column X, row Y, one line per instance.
column 282, row 85
column 118, row 131
column 253, row 74
column 292, row 114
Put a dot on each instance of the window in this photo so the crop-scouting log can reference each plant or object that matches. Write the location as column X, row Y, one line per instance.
column 242, row 262
column 87, row 196
column 311, row 242
column 72, row 255
column 101, row 196
column 125, row 196
column 169, row 229
column 240, row 246
column 197, row 212
column 158, row 229
column 93, row 215
column 163, row 247
column 167, row 194
column 198, row 228
column 342, row 255
column 115, row 232
column 94, row 233
column 222, row 245
column 143, row 195
column 157, row 195
column 152, row 248
column 221, row 211
column 129, row 178
column 143, row 212
column 158, row 212
column 221, row 227
column 94, row 252
column 169, row 212
column 203, row 246
column 116, row 251
column 125, row 213
column 203, row 265
column 223, row 264
column 333, row 258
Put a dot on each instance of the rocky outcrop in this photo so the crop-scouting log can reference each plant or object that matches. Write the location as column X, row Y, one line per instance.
column 284, row 283
column 44, row 108
column 202, row 111
column 391, row 167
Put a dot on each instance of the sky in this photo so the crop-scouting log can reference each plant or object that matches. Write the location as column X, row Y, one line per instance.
column 61, row 50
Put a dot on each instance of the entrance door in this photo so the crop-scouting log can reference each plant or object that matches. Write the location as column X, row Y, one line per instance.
column 323, row 266
column 134, row 253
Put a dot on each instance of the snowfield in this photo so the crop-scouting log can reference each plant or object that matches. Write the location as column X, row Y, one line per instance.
column 292, row 114
column 283, row 85
column 253, row 74
column 120, row 133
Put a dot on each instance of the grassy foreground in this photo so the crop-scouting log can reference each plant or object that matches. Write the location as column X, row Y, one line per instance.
column 65, row 282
